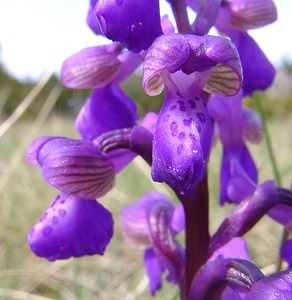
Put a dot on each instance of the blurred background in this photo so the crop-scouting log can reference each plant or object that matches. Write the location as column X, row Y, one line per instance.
column 35, row 37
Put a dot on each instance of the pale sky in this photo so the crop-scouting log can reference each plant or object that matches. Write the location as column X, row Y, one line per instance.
column 37, row 35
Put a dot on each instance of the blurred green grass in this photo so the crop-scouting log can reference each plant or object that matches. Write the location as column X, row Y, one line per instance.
column 119, row 274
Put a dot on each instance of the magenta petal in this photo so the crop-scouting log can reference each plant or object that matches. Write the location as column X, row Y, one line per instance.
column 71, row 227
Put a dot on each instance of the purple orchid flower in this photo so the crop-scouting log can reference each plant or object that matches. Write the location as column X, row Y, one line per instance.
column 183, row 135
column 125, row 21
column 238, row 170
column 151, row 224
column 71, row 227
column 234, row 18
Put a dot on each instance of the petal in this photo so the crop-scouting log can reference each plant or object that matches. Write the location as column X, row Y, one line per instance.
column 32, row 155
column 277, row 286
column 126, row 22
column 252, row 126
column 258, row 72
column 77, row 168
column 238, row 170
column 106, row 109
column 207, row 279
column 165, row 247
column 249, row 14
column 134, row 221
column 167, row 53
column 91, row 19
column 182, row 141
column 71, row 227
column 154, row 270
column 206, row 16
column 235, row 248
column 178, row 219
column 226, row 76
column 92, row 67
column 286, row 252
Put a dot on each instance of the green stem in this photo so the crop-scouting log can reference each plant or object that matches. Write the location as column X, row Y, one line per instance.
column 271, row 153
column 275, row 168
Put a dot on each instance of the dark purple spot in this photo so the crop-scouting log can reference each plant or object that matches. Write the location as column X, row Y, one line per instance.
column 192, row 103
column 62, row 212
column 197, row 98
column 173, row 107
column 201, row 117
column 181, row 135
column 187, row 122
column 192, row 136
column 165, row 118
column 199, row 127
column 47, row 230
column 179, row 149
column 55, row 220
column 182, row 107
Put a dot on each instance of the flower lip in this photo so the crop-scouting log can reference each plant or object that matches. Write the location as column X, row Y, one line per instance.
column 71, row 227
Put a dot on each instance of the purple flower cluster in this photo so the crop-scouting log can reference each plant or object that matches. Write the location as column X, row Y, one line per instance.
column 205, row 78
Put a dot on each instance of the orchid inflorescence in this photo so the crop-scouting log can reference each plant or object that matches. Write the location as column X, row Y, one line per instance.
column 205, row 79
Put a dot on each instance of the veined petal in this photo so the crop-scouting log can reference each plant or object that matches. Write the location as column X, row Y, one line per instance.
column 167, row 53
column 71, row 227
column 182, row 141
column 249, row 14
column 135, row 23
column 92, row 67
column 226, row 75
column 79, row 169
column 191, row 53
